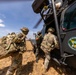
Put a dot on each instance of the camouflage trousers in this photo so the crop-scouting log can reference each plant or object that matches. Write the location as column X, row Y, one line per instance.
column 16, row 64
column 47, row 59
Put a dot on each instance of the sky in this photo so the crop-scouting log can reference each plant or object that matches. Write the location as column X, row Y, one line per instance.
column 17, row 14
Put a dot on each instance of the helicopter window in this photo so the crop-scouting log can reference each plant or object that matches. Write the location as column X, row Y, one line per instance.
column 70, row 18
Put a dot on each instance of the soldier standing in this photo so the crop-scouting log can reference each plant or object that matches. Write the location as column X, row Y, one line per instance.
column 38, row 42
column 48, row 44
column 16, row 57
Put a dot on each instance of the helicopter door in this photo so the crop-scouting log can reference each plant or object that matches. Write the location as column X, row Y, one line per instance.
column 68, row 24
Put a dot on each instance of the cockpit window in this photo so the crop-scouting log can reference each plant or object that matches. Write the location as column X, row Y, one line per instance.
column 70, row 18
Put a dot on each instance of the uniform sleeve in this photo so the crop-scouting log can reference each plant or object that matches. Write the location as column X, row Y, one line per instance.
column 44, row 40
column 45, row 37
column 24, row 36
column 15, row 39
column 56, row 42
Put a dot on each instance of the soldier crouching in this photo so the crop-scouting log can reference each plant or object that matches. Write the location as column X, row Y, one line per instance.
column 48, row 44
column 16, row 57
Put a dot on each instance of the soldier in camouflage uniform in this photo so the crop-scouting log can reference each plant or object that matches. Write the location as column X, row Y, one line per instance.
column 48, row 44
column 16, row 57
column 38, row 42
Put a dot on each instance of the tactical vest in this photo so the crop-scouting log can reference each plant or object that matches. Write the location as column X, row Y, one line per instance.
column 20, row 43
column 46, row 44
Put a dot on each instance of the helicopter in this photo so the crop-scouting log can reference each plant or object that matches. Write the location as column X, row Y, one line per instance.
column 15, row 0
column 64, row 23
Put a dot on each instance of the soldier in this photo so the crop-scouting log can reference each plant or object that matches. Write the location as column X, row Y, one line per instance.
column 16, row 57
column 9, row 40
column 38, row 42
column 48, row 44
column 58, row 3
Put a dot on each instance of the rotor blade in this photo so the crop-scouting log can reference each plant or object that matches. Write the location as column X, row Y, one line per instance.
column 38, row 23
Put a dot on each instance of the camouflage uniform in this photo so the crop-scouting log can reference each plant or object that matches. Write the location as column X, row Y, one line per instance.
column 16, row 57
column 9, row 41
column 38, row 42
column 15, row 64
column 49, row 43
column 3, row 41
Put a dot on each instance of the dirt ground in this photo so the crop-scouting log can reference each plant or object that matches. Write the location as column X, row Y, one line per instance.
column 30, row 67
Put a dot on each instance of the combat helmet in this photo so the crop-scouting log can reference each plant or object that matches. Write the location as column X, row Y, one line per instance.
column 25, row 30
column 39, row 32
column 12, row 33
column 51, row 30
